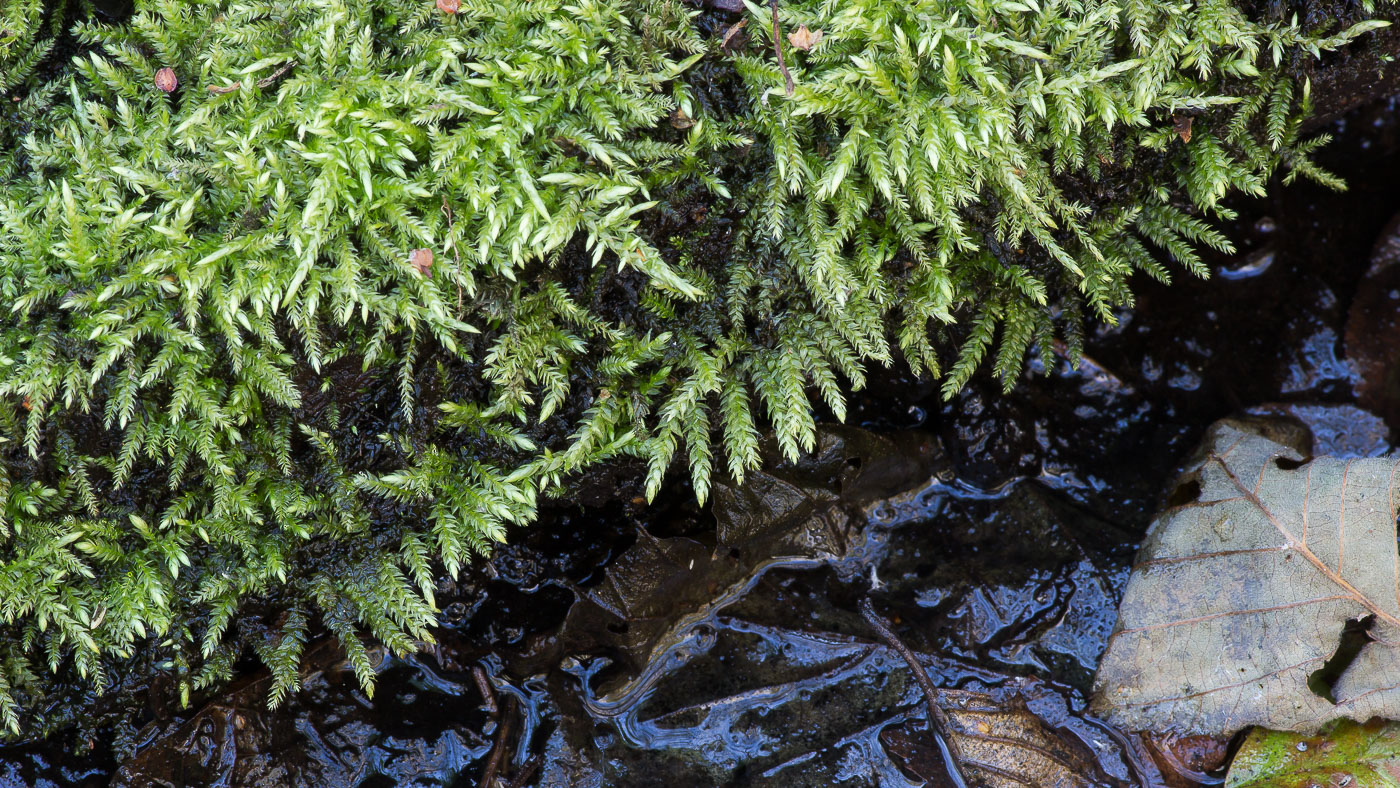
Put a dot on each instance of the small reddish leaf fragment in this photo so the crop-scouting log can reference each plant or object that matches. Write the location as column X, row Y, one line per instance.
column 27, row 404
column 166, row 81
column 1181, row 124
column 734, row 37
column 804, row 39
column 448, row 6
column 422, row 260
column 681, row 120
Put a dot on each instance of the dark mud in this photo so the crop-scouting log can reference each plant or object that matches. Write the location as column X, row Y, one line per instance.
column 614, row 644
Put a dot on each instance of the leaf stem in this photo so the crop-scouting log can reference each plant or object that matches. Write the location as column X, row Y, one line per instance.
column 939, row 724
column 778, row 49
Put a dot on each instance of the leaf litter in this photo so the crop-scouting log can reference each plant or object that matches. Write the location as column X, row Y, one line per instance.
column 1241, row 594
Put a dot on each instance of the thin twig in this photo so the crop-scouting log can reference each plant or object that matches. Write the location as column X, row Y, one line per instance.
column 531, row 766
column 447, row 210
column 938, row 720
column 778, row 48
column 483, row 684
column 1169, row 756
column 498, row 751
column 262, row 83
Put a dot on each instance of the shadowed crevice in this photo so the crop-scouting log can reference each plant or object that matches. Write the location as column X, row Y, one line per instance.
column 1354, row 636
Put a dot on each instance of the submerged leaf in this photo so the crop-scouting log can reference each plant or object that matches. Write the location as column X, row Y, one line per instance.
column 1002, row 744
column 1240, row 595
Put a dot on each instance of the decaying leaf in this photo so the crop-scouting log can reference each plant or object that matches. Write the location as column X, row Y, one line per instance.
column 789, row 515
column 166, row 81
column 1344, row 755
column 422, row 260
column 1372, row 330
column 804, row 39
column 448, row 6
column 1181, row 126
column 680, row 120
column 1002, row 745
column 1242, row 593
column 1183, row 761
column 235, row 739
column 735, row 37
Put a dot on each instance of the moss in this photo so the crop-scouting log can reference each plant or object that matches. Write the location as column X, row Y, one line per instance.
column 29, row 33
column 251, row 230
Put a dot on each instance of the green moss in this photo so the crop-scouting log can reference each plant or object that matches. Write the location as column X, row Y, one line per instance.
column 381, row 196
column 28, row 32
column 186, row 266
column 977, row 162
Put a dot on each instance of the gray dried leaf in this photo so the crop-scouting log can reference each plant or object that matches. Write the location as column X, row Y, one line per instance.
column 1241, row 594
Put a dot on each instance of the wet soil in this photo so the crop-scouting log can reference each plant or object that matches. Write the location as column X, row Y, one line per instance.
column 614, row 644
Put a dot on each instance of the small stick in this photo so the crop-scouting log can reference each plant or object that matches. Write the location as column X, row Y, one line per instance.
column 778, row 48
column 262, row 83
column 531, row 766
column 938, row 719
column 447, row 210
column 498, row 751
column 488, row 693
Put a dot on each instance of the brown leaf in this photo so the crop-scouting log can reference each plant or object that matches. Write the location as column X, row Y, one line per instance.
column 166, row 81
column 1373, row 328
column 1243, row 591
column 1184, row 762
column 1002, row 745
column 804, row 39
column 448, row 6
column 234, row 739
column 681, row 120
column 422, row 259
column 735, row 37
column 1181, row 124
